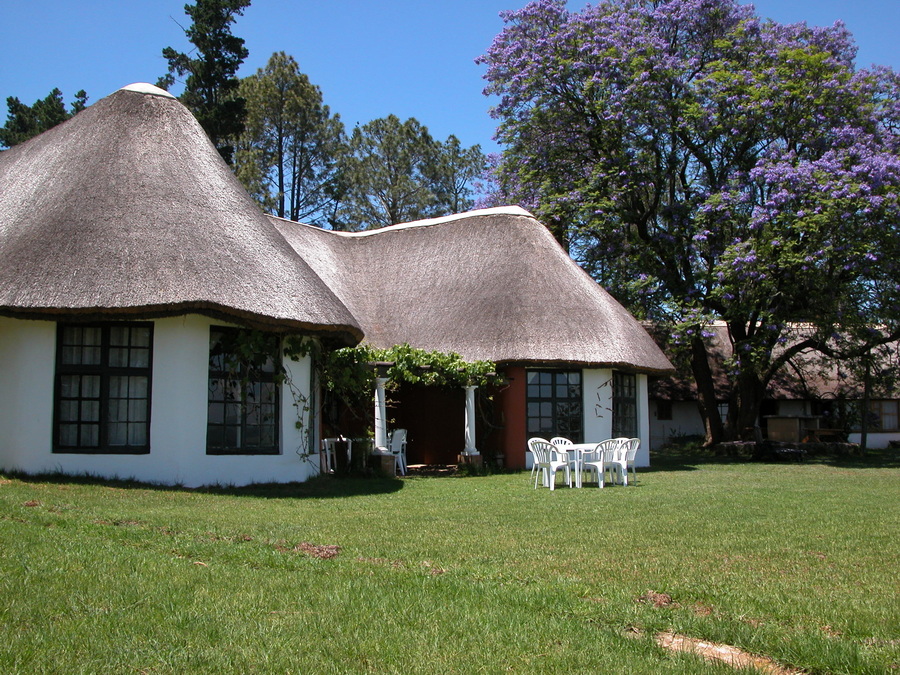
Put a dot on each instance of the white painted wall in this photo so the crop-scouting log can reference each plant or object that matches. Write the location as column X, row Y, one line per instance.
column 597, row 393
column 876, row 440
column 177, row 416
column 597, row 383
column 686, row 421
column 27, row 358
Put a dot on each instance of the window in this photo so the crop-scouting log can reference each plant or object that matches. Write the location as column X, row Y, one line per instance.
column 242, row 416
column 883, row 416
column 624, row 405
column 102, row 392
column 554, row 404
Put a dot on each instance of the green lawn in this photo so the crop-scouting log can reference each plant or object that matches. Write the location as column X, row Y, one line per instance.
column 797, row 562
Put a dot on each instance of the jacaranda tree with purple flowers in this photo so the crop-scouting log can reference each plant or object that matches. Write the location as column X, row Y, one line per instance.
column 704, row 164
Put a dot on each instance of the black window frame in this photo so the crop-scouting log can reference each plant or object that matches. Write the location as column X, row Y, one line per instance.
column 543, row 388
column 238, row 373
column 624, row 405
column 105, row 372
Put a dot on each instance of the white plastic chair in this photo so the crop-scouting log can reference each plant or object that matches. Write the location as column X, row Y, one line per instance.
column 327, row 460
column 573, row 458
column 397, row 446
column 615, row 461
column 630, row 457
column 595, row 461
column 548, row 461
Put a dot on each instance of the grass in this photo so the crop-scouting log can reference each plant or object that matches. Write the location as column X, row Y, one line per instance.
column 797, row 562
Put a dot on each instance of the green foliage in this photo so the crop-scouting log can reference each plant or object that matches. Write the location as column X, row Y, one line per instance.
column 349, row 373
column 24, row 122
column 705, row 164
column 287, row 156
column 355, row 368
column 394, row 172
column 211, row 88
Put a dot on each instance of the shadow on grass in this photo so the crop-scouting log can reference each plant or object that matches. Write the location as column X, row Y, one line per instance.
column 320, row 487
column 694, row 459
column 886, row 458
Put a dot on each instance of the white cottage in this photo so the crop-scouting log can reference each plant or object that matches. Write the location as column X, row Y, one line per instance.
column 132, row 260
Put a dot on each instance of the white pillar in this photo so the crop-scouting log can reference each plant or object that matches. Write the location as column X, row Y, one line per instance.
column 380, row 413
column 470, row 421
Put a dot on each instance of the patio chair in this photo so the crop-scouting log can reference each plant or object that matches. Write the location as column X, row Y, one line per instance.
column 615, row 461
column 573, row 458
column 630, row 456
column 397, row 446
column 547, row 461
column 595, row 461
column 327, row 460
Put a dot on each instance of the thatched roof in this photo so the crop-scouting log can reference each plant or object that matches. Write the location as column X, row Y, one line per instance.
column 490, row 284
column 128, row 210
column 808, row 375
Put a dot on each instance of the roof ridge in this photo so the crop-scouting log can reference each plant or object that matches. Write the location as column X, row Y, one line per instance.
column 425, row 222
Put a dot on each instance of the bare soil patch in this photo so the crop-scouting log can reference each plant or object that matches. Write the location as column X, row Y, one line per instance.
column 733, row 656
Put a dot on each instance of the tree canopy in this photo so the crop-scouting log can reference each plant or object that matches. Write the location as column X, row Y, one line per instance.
column 706, row 165
column 395, row 172
column 211, row 88
column 289, row 152
column 24, row 121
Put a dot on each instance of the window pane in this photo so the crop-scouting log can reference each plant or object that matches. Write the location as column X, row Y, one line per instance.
column 118, row 336
column 118, row 434
column 215, row 436
column 139, row 358
column 137, row 410
column 140, row 336
column 90, row 436
column 90, row 386
column 118, row 410
column 118, row 357
column 68, row 435
column 138, row 386
column 68, row 411
column 70, row 386
column 137, row 434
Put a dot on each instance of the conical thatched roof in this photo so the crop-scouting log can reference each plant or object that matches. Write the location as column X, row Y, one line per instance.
column 128, row 210
column 489, row 284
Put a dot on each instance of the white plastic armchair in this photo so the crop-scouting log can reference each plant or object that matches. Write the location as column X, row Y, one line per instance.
column 547, row 461
column 630, row 457
column 615, row 461
column 574, row 459
column 327, row 459
column 595, row 461
column 397, row 446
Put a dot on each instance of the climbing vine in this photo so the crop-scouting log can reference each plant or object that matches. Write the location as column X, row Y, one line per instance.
column 352, row 370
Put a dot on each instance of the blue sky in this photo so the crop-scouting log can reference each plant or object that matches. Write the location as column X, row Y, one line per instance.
column 371, row 58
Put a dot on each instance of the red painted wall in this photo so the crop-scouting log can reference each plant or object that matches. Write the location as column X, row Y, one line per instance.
column 512, row 403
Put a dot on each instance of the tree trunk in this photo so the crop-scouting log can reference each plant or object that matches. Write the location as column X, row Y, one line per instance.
column 749, row 395
column 706, row 392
